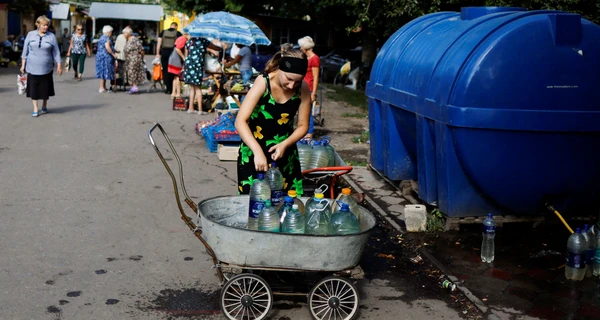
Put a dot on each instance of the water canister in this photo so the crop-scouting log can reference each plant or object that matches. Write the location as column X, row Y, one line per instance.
column 490, row 109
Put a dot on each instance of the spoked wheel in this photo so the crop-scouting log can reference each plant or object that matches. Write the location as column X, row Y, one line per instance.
column 333, row 298
column 246, row 296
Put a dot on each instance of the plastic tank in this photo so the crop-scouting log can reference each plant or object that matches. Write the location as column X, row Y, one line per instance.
column 492, row 109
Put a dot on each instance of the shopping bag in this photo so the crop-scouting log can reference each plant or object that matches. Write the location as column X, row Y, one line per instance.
column 67, row 64
column 157, row 72
column 22, row 83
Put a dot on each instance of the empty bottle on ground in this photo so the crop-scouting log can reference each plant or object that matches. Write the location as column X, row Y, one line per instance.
column 343, row 221
column 319, row 158
column 294, row 221
column 260, row 192
column 597, row 255
column 575, row 262
column 285, row 207
column 268, row 219
column 346, row 197
column 275, row 179
column 304, row 151
column 317, row 215
column 590, row 243
column 488, row 247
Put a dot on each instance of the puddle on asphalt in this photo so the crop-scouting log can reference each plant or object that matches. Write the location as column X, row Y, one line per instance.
column 184, row 303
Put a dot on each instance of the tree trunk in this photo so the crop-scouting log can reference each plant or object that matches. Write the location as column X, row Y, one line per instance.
column 369, row 53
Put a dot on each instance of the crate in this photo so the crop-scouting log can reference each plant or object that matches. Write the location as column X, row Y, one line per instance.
column 228, row 151
column 180, row 104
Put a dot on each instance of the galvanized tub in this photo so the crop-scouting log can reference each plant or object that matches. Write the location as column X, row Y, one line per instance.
column 223, row 227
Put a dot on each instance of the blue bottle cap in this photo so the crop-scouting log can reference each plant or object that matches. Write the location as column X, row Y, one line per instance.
column 261, row 176
column 489, row 215
column 577, row 230
column 288, row 199
column 345, row 207
column 273, row 164
column 586, row 227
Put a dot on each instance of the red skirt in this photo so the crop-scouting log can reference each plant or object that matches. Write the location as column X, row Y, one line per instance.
column 174, row 69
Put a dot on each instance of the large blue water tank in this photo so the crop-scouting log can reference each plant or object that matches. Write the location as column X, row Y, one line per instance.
column 491, row 109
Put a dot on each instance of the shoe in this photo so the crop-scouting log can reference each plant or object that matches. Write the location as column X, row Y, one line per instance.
column 34, row 114
column 101, row 90
column 44, row 111
column 202, row 113
column 191, row 111
column 133, row 90
column 79, row 78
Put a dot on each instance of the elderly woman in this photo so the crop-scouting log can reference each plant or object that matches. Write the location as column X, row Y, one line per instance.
column 105, row 58
column 312, row 74
column 79, row 47
column 40, row 53
column 134, row 60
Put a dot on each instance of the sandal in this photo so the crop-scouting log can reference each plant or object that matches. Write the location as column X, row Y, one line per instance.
column 44, row 111
column 34, row 114
column 133, row 90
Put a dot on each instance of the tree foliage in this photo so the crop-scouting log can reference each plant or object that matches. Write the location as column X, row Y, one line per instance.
column 36, row 7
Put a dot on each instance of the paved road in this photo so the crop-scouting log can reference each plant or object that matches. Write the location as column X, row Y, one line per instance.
column 90, row 229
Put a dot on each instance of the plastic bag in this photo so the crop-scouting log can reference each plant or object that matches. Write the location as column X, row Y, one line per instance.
column 157, row 74
column 22, row 83
column 156, row 61
column 67, row 64
column 211, row 64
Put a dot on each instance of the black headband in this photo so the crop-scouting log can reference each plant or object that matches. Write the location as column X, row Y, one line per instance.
column 293, row 65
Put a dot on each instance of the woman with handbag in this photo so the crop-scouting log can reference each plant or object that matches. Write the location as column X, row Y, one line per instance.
column 176, row 64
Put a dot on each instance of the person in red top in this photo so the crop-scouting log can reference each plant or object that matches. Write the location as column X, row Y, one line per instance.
column 312, row 74
column 176, row 64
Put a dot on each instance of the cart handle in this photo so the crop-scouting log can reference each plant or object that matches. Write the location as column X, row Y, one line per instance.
column 189, row 201
column 340, row 171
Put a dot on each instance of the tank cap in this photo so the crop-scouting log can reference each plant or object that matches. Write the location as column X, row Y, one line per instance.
column 470, row 13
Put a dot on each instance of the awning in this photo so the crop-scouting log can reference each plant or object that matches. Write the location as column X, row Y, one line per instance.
column 60, row 11
column 126, row 11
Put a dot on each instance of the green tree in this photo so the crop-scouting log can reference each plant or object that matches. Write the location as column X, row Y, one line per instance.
column 35, row 7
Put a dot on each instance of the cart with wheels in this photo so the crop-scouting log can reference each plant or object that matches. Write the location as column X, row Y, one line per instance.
column 240, row 256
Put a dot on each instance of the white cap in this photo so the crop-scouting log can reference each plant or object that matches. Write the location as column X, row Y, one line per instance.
column 295, row 207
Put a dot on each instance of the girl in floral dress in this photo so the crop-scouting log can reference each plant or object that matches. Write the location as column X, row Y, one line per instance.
column 265, row 121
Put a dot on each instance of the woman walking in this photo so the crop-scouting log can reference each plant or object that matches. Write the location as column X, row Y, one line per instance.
column 105, row 59
column 78, row 48
column 134, row 60
column 40, row 53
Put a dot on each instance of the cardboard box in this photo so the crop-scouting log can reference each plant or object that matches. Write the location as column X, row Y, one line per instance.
column 228, row 151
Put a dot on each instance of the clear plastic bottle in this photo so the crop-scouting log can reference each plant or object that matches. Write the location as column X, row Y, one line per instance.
column 597, row 255
column 488, row 247
column 326, row 141
column 575, row 262
column 259, row 193
column 317, row 215
column 268, row 219
column 294, row 195
column 343, row 221
column 590, row 243
column 294, row 221
column 346, row 197
column 304, row 151
column 275, row 179
column 319, row 157
column 285, row 207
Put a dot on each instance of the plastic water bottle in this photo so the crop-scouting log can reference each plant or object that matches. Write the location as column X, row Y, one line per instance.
column 260, row 192
column 275, row 179
column 285, row 207
column 304, row 151
column 293, row 221
column 343, row 221
column 590, row 242
column 488, row 247
column 319, row 157
column 326, row 141
column 597, row 255
column 575, row 262
column 317, row 215
column 268, row 219
column 346, row 197
column 294, row 195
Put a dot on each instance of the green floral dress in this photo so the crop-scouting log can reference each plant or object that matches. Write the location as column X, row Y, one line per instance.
column 271, row 123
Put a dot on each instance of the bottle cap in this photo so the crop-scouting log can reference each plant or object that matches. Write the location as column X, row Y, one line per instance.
column 489, row 215
column 288, row 199
column 268, row 203
column 346, row 191
column 345, row 207
column 261, row 176
column 295, row 207
column 586, row 227
column 292, row 193
column 273, row 164
column 577, row 230
column 319, row 196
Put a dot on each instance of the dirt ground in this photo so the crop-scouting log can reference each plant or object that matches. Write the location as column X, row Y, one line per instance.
column 343, row 125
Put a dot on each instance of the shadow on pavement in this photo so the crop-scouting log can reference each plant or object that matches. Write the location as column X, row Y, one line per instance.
column 75, row 108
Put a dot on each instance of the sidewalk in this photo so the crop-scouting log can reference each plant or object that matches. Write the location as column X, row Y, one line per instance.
column 525, row 281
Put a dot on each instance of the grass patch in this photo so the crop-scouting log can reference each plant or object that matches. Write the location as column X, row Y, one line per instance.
column 357, row 163
column 353, row 115
column 363, row 138
column 355, row 98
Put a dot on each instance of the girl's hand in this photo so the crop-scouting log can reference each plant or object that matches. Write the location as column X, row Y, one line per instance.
column 277, row 151
column 260, row 162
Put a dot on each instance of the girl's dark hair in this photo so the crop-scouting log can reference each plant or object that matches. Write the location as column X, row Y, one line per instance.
column 273, row 64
